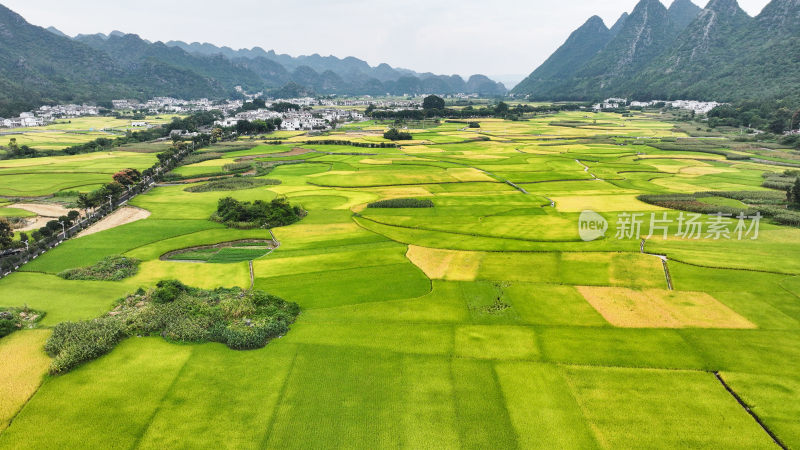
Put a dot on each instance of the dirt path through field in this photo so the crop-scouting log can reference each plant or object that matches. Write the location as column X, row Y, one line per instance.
column 119, row 217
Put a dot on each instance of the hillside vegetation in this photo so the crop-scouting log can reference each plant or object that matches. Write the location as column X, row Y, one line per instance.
column 718, row 53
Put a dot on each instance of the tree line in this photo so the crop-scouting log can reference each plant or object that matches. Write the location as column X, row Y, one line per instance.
column 434, row 106
column 125, row 181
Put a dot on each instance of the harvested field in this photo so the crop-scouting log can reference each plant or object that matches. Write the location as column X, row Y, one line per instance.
column 445, row 264
column 34, row 224
column 44, row 210
column 656, row 308
column 119, row 217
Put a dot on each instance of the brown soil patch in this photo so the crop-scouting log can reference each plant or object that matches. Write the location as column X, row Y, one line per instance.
column 119, row 217
column 42, row 209
column 293, row 152
column 658, row 308
column 45, row 211
column 34, row 224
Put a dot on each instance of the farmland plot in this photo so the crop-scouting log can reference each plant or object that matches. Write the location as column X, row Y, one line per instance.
column 485, row 320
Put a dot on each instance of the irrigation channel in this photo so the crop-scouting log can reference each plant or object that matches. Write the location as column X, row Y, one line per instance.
column 749, row 410
column 664, row 261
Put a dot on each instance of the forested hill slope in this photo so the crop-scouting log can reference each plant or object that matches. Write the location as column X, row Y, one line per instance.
column 43, row 66
column 582, row 45
column 722, row 54
column 38, row 66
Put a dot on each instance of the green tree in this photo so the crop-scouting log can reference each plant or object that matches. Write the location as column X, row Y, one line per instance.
column 86, row 202
column 111, row 189
column 216, row 134
column 796, row 193
column 433, row 102
column 394, row 135
column 6, row 233
column 46, row 232
column 501, row 108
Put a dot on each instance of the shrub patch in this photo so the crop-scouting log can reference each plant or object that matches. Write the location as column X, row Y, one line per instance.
column 402, row 203
column 232, row 184
column 246, row 215
column 110, row 268
column 240, row 319
column 13, row 319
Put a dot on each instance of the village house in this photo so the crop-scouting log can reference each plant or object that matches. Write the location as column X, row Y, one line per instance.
column 125, row 104
column 291, row 124
column 227, row 122
column 696, row 106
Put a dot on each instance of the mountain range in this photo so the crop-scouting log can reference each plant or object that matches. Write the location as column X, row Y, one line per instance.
column 716, row 53
column 40, row 66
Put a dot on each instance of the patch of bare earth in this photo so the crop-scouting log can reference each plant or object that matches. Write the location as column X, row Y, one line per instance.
column 46, row 212
column 122, row 216
column 34, row 224
column 42, row 209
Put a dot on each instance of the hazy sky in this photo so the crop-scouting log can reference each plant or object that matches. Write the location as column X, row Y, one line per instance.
column 497, row 37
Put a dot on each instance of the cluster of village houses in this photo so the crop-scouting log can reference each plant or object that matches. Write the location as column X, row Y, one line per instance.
column 303, row 119
column 317, row 119
column 690, row 105
column 47, row 114
column 292, row 120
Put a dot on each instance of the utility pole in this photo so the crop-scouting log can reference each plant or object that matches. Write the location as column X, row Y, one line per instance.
column 110, row 204
column 63, row 229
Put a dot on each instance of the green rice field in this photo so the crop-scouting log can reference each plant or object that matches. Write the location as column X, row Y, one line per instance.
column 485, row 321
column 83, row 173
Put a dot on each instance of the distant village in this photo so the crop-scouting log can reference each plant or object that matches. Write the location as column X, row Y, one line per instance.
column 314, row 114
column 47, row 114
column 690, row 105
